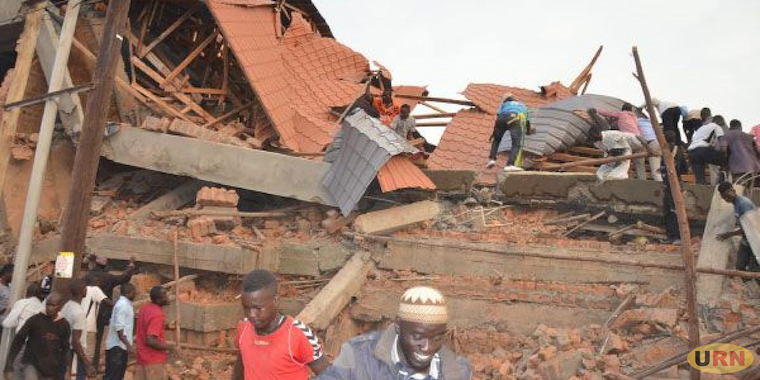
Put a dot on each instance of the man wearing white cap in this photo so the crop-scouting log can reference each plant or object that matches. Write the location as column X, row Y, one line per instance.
column 410, row 349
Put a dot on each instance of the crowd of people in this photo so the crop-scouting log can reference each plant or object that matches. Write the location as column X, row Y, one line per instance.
column 710, row 144
column 51, row 336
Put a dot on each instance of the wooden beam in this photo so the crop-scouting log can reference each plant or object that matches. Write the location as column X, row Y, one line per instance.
column 683, row 219
column 576, row 85
column 432, row 124
column 208, row 91
column 432, row 107
column 234, row 213
column 438, row 100
column 227, row 115
column 172, row 200
column 598, row 161
column 593, row 152
column 334, row 297
column 433, row 116
column 190, row 58
column 20, row 78
column 176, row 24
column 586, row 83
column 166, row 108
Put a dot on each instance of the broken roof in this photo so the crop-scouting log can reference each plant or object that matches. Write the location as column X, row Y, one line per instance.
column 465, row 142
column 297, row 76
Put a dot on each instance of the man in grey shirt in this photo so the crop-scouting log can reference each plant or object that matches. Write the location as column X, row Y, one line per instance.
column 404, row 124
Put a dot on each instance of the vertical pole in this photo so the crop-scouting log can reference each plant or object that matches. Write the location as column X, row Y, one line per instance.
column 683, row 220
column 32, row 205
column 178, row 327
column 77, row 212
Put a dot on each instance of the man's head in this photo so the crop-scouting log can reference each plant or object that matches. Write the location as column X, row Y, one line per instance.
column 727, row 191
column 421, row 326
column 53, row 305
column 405, row 111
column 259, row 299
column 33, row 290
column 128, row 290
column 509, row 98
column 735, row 125
column 158, row 295
column 718, row 119
column 6, row 273
column 627, row 107
column 705, row 114
column 78, row 288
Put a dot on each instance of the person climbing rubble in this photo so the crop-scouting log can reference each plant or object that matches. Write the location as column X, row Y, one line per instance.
column 411, row 348
column 272, row 345
column 512, row 116
column 670, row 114
column 404, row 124
column 745, row 258
column 628, row 122
column 617, row 144
column 386, row 107
column 703, row 150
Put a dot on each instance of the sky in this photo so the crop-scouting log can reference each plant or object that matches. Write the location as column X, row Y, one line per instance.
column 695, row 53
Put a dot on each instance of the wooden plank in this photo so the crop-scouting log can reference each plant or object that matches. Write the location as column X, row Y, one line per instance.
column 396, row 217
column 25, row 48
column 564, row 157
column 172, row 200
column 334, row 297
column 714, row 253
column 208, row 91
column 176, row 24
column 166, row 107
column 227, row 115
column 190, row 58
column 438, row 100
column 433, row 116
column 593, row 152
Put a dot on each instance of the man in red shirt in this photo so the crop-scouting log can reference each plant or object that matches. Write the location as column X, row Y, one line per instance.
column 273, row 346
column 150, row 338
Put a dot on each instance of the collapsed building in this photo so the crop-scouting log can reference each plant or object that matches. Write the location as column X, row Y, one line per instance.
column 233, row 143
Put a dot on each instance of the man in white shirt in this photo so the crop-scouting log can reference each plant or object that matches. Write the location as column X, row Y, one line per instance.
column 670, row 114
column 647, row 132
column 120, row 334
column 90, row 304
column 703, row 149
column 22, row 310
column 74, row 313
column 617, row 143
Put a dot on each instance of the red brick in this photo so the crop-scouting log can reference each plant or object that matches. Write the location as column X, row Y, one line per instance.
column 217, row 196
column 201, row 226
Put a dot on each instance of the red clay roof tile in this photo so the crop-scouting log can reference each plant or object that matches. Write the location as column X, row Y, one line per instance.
column 401, row 173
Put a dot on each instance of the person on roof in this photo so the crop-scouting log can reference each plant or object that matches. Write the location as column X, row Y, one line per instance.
column 412, row 348
column 691, row 122
column 273, row 345
column 745, row 259
column 386, row 107
column 755, row 132
column 404, row 123
column 655, row 161
column 670, row 114
column 626, row 119
column 617, row 144
column 512, row 116
column 740, row 146
column 703, row 149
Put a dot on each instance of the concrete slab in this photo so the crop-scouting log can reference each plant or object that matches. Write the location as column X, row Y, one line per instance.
column 395, row 218
column 308, row 259
column 257, row 170
column 458, row 181
column 467, row 262
column 172, row 200
column 583, row 190
column 202, row 317
column 714, row 253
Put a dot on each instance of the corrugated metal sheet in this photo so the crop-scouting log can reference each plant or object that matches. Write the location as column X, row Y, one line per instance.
column 365, row 145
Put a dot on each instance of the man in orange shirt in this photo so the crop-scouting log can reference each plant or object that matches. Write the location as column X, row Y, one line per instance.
column 273, row 346
column 386, row 107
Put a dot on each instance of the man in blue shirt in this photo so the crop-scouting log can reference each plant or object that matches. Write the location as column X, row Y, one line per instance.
column 745, row 259
column 120, row 334
column 512, row 116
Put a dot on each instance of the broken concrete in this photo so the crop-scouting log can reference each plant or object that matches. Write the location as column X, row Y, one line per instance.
column 308, row 259
column 172, row 200
column 331, row 300
column 468, row 262
column 396, row 218
column 250, row 169
column 204, row 317
column 584, row 191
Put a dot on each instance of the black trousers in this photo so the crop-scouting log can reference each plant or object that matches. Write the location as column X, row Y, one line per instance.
column 670, row 119
column 501, row 126
column 745, row 259
column 116, row 364
column 700, row 158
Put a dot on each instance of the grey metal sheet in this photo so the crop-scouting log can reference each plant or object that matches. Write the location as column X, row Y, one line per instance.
column 358, row 151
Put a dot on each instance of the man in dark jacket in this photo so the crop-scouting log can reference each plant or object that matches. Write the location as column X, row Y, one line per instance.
column 412, row 348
